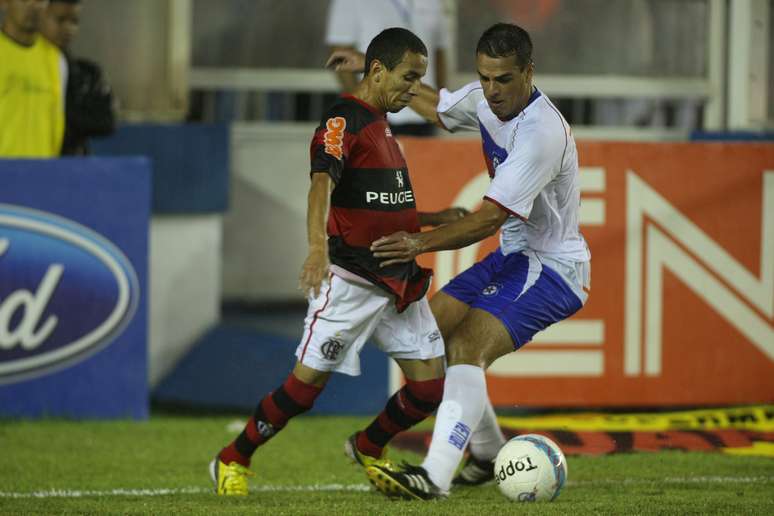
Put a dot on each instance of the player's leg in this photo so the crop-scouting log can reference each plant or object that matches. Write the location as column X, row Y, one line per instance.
column 293, row 397
column 479, row 340
column 464, row 400
column 296, row 395
column 413, row 339
column 449, row 311
column 524, row 298
column 338, row 322
column 485, row 441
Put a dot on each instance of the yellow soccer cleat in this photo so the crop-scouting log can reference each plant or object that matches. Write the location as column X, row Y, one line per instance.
column 231, row 479
column 355, row 455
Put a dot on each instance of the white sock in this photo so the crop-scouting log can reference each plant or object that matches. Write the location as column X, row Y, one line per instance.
column 464, row 397
column 487, row 438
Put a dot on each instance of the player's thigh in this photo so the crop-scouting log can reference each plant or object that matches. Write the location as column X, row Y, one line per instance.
column 480, row 339
column 448, row 312
column 338, row 323
column 413, row 339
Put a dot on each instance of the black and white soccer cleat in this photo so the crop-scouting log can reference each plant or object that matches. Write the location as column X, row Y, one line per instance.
column 405, row 481
column 475, row 472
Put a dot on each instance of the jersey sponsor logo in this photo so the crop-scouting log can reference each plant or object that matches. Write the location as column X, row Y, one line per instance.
column 44, row 258
column 331, row 349
column 334, row 136
column 390, row 198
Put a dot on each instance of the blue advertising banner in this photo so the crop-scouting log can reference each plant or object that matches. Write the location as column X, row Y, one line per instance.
column 73, row 301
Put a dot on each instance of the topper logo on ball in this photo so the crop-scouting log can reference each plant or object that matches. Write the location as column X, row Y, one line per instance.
column 65, row 292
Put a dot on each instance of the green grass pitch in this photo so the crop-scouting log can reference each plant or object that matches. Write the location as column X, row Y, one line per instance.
column 160, row 467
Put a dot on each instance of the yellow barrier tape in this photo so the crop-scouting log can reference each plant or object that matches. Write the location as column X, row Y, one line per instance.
column 758, row 449
column 758, row 418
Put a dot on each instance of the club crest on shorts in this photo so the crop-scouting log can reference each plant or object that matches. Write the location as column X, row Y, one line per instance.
column 492, row 289
column 331, row 349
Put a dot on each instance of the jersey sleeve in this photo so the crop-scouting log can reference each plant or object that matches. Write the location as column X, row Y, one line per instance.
column 524, row 174
column 342, row 26
column 332, row 144
column 458, row 109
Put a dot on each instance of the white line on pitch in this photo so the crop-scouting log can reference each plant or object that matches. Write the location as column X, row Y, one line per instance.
column 77, row 493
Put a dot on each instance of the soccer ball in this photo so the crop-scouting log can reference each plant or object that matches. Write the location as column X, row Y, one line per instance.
column 530, row 468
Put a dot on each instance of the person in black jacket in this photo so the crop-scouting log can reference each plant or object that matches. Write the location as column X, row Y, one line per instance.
column 89, row 107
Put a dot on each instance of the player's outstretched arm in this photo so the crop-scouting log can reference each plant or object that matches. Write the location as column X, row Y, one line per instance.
column 344, row 59
column 438, row 218
column 315, row 267
column 402, row 247
column 425, row 103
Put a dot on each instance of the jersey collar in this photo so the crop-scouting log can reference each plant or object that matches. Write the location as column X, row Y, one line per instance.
column 366, row 105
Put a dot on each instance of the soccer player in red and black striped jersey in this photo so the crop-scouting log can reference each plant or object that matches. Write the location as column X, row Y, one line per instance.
column 360, row 191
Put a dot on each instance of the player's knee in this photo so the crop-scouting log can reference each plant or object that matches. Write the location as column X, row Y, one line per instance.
column 459, row 351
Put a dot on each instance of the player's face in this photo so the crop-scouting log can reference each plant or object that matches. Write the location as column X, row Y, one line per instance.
column 24, row 15
column 506, row 86
column 402, row 83
column 60, row 23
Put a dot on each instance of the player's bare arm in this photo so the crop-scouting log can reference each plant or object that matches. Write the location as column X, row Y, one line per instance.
column 438, row 218
column 315, row 267
column 403, row 247
column 425, row 103
column 346, row 59
column 347, row 78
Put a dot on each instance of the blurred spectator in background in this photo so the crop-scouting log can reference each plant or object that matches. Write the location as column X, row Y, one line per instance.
column 354, row 23
column 88, row 99
column 33, row 75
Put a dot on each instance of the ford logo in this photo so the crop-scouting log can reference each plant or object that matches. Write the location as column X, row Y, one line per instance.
column 65, row 292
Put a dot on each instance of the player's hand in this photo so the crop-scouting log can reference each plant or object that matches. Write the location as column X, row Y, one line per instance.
column 449, row 215
column 313, row 272
column 400, row 247
column 346, row 60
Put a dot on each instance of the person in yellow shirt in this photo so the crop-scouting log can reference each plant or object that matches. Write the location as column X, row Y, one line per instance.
column 33, row 74
column 89, row 104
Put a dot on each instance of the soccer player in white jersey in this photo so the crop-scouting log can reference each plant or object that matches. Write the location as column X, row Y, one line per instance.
column 538, row 276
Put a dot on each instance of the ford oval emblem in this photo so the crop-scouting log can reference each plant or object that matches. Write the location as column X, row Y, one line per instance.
column 65, row 292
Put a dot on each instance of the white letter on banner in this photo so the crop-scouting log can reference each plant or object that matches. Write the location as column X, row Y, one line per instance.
column 697, row 273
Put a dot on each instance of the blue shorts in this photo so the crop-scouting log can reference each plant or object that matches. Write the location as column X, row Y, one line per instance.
column 526, row 295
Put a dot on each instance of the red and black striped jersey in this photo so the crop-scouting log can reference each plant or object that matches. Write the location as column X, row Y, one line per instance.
column 372, row 196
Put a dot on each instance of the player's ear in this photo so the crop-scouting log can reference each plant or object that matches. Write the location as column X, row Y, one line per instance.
column 377, row 70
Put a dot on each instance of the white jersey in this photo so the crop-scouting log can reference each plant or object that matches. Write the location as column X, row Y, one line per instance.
column 533, row 163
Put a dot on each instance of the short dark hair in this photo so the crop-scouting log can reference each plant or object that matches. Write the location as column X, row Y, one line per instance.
column 390, row 45
column 504, row 40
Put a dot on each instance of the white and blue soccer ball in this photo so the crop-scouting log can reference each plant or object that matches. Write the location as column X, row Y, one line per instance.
column 530, row 468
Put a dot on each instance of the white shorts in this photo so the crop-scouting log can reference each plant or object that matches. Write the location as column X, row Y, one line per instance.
column 345, row 315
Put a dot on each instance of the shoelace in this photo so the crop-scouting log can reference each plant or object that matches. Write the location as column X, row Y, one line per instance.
column 235, row 481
